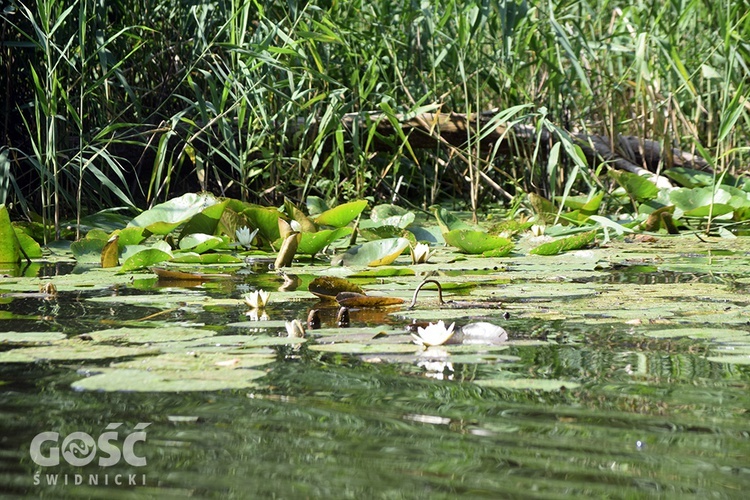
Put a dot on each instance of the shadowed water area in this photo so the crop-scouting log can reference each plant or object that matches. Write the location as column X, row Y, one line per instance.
column 624, row 374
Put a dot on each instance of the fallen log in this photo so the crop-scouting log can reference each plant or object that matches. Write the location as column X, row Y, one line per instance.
column 431, row 130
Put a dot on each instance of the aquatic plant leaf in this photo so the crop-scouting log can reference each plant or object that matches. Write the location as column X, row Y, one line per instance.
column 29, row 246
column 383, row 272
column 110, row 256
column 328, row 287
column 353, row 299
column 10, row 248
column 312, row 243
column 129, row 236
column 638, row 187
column 145, row 258
column 723, row 334
column 206, row 221
column 696, row 202
column 476, row 242
column 131, row 380
column 200, row 242
column 149, row 335
column 30, row 337
column 532, row 384
column 731, row 359
column 165, row 217
column 564, row 244
column 359, row 348
column 295, row 213
column 72, row 350
column 287, row 251
column 449, row 222
column 266, row 220
column 206, row 258
column 373, row 253
column 544, row 209
column 88, row 250
column 341, row 215
column 690, row 177
column 391, row 215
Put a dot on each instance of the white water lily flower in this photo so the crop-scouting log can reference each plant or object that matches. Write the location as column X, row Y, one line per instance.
column 433, row 334
column 420, row 254
column 245, row 237
column 294, row 329
column 257, row 299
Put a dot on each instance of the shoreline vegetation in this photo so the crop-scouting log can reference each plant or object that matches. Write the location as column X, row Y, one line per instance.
column 124, row 106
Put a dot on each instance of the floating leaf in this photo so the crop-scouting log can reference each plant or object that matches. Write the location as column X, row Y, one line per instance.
column 200, row 243
column 327, row 287
column 173, row 274
column 391, row 215
column 475, row 242
column 88, row 250
column 532, row 384
column 72, row 350
column 373, row 253
column 165, row 217
column 149, row 335
column 145, row 258
column 700, row 333
column 696, row 202
column 206, row 221
column 449, row 222
column 131, row 380
column 266, row 220
column 30, row 337
column 341, row 215
column 29, row 246
column 564, row 244
column 638, row 187
column 312, row 243
column 357, row 348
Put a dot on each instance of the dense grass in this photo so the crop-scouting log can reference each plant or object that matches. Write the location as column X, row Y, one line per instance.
column 129, row 104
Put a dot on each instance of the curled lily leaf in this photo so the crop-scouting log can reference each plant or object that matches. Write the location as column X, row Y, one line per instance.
column 245, row 237
column 294, row 329
column 257, row 299
column 433, row 334
column 420, row 253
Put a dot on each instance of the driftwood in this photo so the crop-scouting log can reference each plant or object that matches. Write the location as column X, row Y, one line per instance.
column 430, row 130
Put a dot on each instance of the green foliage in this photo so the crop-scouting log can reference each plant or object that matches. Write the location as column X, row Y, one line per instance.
column 128, row 104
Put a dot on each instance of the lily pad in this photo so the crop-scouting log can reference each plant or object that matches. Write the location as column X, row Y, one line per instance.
column 165, row 217
column 341, row 215
column 476, row 242
column 30, row 337
column 145, row 258
column 200, row 243
column 312, row 243
column 723, row 334
column 351, row 299
column 533, row 384
column 149, row 335
column 73, row 350
column 10, row 248
column 357, row 348
column 373, row 253
column 129, row 380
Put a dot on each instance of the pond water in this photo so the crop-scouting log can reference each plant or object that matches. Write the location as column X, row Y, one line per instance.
column 624, row 375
